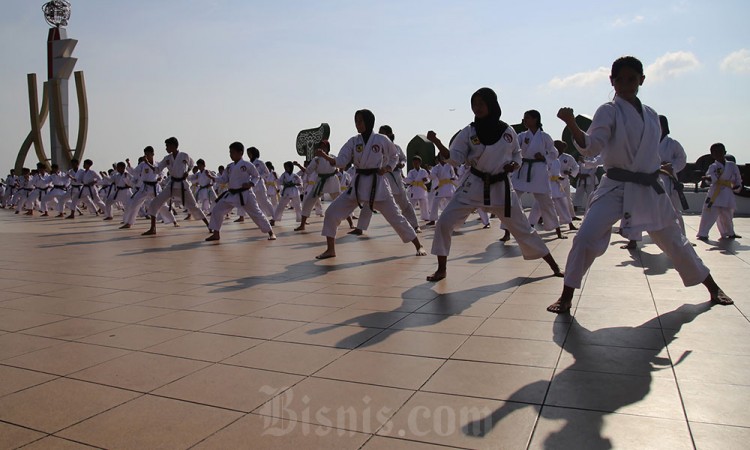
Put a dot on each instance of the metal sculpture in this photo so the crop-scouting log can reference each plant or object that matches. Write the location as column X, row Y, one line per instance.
column 60, row 66
column 307, row 140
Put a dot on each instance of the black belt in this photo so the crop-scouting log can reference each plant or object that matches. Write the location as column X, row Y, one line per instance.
column 645, row 179
column 91, row 192
column 205, row 187
column 489, row 180
column 322, row 178
column 528, row 170
column 182, row 186
column 60, row 186
column 239, row 191
column 288, row 184
column 373, row 189
column 583, row 177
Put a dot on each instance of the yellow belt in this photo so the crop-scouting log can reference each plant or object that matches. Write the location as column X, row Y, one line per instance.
column 445, row 181
column 419, row 184
column 719, row 184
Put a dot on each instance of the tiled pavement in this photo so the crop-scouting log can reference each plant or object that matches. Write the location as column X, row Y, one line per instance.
column 113, row 340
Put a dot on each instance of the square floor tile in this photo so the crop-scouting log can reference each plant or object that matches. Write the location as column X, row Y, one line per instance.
column 64, row 359
column 720, row 404
column 362, row 318
column 329, row 335
column 719, row 437
column 287, row 357
column 72, row 329
column 254, row 327
column 14, row 344
column 133, row 337
column 51, row 442
column 509, row 351
column 439, row 323
column 17, row 379
column 63, row 401
column 254, row 431
column 204, row 346
column 141, row 372
column 128, row 313
column 12, row 436
column 230, row 387
column 416, row 343
column 384, row 369
column 141, row 424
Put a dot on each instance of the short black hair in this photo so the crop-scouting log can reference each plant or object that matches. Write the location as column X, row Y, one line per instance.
column 626, row 61
column 237, row 146
column 173, row 141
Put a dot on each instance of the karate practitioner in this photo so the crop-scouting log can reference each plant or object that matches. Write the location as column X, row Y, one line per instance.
column 290, row 183
column 205, row 196
column 59, row 191
column 148, row 177
column 417, row 180
column 179, row 165
column 326, row 183
column 720, row 202
column 627, row 133
column 373, row 156
column 586, row 182
column 395, row 181
column 122, row 190
column 240, row 176
column 443, row 178
column 89, row 195
column 261, row 192
column 491, row 148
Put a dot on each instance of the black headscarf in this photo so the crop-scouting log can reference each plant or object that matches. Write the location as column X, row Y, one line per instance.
column 369, row 119
column 489, row 128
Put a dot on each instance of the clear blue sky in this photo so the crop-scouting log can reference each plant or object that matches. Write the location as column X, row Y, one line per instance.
column 212, row 72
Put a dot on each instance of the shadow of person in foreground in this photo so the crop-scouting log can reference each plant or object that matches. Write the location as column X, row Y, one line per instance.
column 444, row 306
column 582, row 344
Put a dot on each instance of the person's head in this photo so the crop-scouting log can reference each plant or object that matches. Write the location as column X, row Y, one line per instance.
column 627, row 76
column 532, row 120
column 172, row 144
column 55, row 168
column 364, row 120
column 664, row 125
column 12, row 171
column 120, row 167
column 416, row 162
column 148, row 151
column 40, row 167
column 269, row 165
column 325, row 146
column 87, row 164
column 221, row 170
column 561, row 146
column 253, row 153
column 200, row 164
column 26, row 172
column 74, row 163
column 289, row 167
column 236, row 151
column 484, row 104
column 718, row 151
column 388, row 131
column 111, row 171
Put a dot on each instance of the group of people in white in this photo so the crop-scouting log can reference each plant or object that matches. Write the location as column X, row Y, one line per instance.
column 485, row 169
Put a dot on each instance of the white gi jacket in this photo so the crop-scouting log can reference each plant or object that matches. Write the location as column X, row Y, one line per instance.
column 533, row 175
column 724, row 178
column 467, row 149
column 415, row 179
column 443, row 180
column 628, row 141
column 379, row 152
column 670, row 151
column 324, row 169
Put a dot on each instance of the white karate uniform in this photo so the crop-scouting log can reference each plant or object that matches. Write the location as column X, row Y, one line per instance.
column 290, row 183
column 533, row 176
column 122, row 191
column 587, row 182
column 489, row 159
column 205, row 195
column 417, row 182
column 58, row 193
column 628, row 140
column 720, row 202
column 88, row 179
column 377, row 153
column 235, row 175
column 177, row 188
column 443, row 187
column 148, row 177
column 568, row 168
column 324, row 180
column 270, row 181
column 261, row 192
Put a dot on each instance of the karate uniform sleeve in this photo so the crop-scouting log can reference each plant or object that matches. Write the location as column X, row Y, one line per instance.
column 679, row 158
column 346, row 154
column 600, row 131
column 459, row 149
column 253, row 174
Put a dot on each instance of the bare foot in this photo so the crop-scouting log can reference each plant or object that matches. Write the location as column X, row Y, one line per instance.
column 631, row 245
column 213, row 237
column 421, row 251
column 125, row 227
column 506, row 236
column 271, row 236
column 150, row 232
column 437, row 276
column 240, row 219
column 431, row 222
column 356, row 232
column 417, row 230
column 325, row 255
column 560, row 307
column 176, row 225
column 559, row 234
column 300, row 228
column 720, row 298
column 272, row 222
column 572, row 227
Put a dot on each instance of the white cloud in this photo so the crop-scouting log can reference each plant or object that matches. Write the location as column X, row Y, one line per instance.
column 581, row 79
column 624, row 22
column 737, row 62
column 671, row 65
